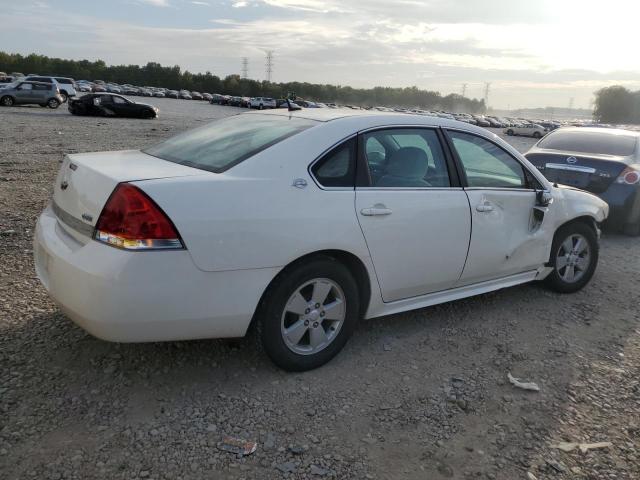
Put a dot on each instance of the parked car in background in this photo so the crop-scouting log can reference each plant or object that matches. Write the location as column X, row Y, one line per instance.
column 134, row 216
column 527, row 130
column 605, row 162
column 196, row 96
column 26, row 92
column 172, row 94
column 67, row 88
column 184, row 94
column 84, row 87
column 110, row 105
column 262, row 102
column 113, row 88
column 158, row 94
column 235, row 102
column 481, row 121
column 207, row 96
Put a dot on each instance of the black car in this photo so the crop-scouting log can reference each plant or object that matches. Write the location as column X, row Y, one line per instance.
column 605, row 162
column 111, row 105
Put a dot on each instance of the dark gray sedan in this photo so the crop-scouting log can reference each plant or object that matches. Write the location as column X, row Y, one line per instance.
column 602, row 161
column 26, row 92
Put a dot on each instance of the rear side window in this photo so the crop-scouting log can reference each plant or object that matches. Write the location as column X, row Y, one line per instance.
column 337, row 168
column 220, row 145
column 603, row 143
column 64, row 80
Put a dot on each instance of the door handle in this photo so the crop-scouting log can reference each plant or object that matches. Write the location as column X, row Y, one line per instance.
column 376, row 210
column 484, row 207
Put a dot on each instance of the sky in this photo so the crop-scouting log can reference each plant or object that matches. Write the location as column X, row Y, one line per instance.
column 534, row 53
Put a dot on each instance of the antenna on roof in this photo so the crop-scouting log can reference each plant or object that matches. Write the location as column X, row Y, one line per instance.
column 293, row 107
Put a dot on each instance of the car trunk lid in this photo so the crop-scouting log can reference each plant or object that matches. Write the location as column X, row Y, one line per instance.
column 593, row 173
column 85, row 182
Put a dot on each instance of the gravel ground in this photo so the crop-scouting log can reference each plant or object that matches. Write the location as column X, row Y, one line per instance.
column 421, row 395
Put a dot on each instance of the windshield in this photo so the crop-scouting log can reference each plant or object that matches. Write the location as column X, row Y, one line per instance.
column 599, row 143
column 222, row 144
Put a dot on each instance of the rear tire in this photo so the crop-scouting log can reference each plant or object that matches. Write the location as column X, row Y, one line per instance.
column 64, row 96
column 574, row 257
column 536, row 135
column 307, row 314
column 510, row 132
column 7, row 101
column 53, row 103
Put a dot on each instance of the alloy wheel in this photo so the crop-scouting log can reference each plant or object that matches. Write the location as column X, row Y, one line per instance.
column 313, row 316
column 573, row 258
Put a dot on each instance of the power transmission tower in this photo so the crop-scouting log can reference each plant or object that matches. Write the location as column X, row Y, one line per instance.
column 245, row 67
column 464, row 89
column 487, row 87
column 269, row 65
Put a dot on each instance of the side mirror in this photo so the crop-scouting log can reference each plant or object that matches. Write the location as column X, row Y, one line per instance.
column 544, row 198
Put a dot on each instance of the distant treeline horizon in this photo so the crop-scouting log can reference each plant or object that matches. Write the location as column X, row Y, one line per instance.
column 155, row 75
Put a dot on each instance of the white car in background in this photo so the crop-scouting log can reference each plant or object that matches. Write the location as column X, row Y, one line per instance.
column 527, row 130
column 262, row 102
column 298, row 224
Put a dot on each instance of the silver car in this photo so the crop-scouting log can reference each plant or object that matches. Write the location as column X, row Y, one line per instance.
column 25, row 92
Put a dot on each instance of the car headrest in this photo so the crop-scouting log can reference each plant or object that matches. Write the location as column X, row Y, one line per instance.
column 408, row 162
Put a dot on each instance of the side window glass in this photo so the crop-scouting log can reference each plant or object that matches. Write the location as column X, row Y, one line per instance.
column 487, row 165
column 26, row 86
column 405, row 158
column 338, row 167
column 118, row 100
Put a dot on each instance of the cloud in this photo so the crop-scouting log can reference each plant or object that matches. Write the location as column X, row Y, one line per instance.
column 207, row 4
column 526, row 51
column 156, row 3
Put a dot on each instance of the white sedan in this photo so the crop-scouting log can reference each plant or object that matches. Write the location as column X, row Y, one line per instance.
column 298, row 224
column 527, row 130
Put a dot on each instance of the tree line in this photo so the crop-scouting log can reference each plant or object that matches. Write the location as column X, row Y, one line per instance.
column 155, row 75
column 617, row 104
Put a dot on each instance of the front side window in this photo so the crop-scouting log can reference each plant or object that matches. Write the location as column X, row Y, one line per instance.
column 26, row 86
column 485, row 164
column 337, row 168
column 119, row 101
column 222, row 144
column 405, row 158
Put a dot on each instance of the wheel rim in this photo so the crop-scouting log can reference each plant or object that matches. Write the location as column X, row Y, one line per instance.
column 7, row 101
column 573, row 258
column 313, row 316
column 53, row 103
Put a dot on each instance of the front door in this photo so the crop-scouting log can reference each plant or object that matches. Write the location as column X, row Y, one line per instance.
column 25, row 93
column 506, row 236
column 414, row 218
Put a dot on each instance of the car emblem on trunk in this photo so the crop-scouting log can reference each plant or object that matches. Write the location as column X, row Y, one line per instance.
column 64, row 185
column 572, row 160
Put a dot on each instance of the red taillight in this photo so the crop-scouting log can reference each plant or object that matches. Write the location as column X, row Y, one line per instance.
column 629, row 176
column 131, row 220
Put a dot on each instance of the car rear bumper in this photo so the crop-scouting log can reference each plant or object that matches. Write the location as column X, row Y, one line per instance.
column 624, row 204
column 142, row 296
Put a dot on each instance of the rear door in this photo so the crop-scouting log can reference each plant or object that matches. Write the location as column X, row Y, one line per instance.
column 413, row 213
column 507, row 238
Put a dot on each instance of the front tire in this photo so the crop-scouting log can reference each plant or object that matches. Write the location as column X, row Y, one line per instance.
column 64, row 96
column 510, row 132
column 308, row 314
column 574, row 257
column 536, row 135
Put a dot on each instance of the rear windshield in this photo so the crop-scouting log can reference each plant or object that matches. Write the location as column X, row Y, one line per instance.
column 220, row 145
column 591, row 142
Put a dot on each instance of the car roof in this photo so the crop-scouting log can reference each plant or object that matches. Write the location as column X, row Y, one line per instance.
column 371, row 118
column 609, row 131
